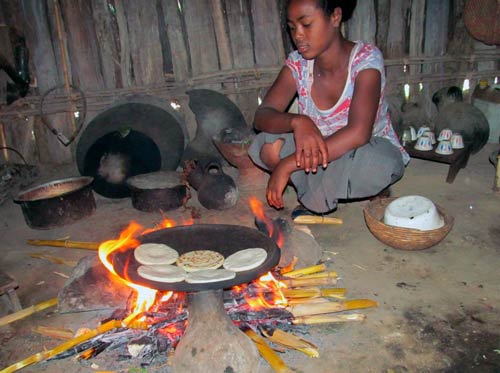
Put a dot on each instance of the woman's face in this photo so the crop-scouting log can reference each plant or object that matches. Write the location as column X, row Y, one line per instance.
column 311, row 30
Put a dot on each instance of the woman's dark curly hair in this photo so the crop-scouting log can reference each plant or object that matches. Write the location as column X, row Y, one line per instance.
column 328, row 6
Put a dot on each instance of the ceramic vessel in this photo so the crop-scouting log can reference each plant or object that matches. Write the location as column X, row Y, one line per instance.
column 423, row 143
column 414, row 212
column 431, row 135
column 413, row 133
column 457, row 141
column 422, row 130
column 444, row 147
column 406, row 137
column 445, row 134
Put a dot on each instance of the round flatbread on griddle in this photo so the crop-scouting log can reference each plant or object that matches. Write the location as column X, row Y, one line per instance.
column 155, row 253
column 209, row 275
column 245, row 260
column 162, row 273
column 200, row 259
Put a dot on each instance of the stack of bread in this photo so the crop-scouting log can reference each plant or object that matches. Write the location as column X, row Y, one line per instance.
column 162, row 263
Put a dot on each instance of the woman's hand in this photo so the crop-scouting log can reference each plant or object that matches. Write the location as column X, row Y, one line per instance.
column 311, row 148
column 277, row 184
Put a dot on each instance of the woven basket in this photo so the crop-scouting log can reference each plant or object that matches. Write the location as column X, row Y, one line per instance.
column 403, row 238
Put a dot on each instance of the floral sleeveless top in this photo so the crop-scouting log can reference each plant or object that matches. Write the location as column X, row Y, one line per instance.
column 363, row 56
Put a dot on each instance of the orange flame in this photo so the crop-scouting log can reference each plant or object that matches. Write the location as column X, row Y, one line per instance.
column 145, row 296
column 258, row 210
column 267, row 285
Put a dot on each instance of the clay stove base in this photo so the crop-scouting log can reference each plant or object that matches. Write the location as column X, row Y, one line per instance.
column 212, row 343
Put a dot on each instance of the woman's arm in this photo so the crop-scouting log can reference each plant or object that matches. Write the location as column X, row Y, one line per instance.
column 271, row 117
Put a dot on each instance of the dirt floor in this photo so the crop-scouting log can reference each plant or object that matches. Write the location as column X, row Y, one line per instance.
column 438, row 308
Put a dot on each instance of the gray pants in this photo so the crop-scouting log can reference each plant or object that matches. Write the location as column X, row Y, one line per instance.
column 360, row 173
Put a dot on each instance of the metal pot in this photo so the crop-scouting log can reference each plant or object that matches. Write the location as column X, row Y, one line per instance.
column 57, row 203
column 161, row 190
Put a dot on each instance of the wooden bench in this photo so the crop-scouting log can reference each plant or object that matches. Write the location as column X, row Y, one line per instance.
column 457, row 160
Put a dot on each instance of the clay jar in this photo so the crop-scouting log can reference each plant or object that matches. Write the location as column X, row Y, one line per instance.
column 217, row 191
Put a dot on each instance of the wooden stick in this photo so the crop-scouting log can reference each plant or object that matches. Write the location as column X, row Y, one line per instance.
column 267, row 353
column 3, row 143
column 65, row 243
column 496, row 186
column 313, row 219
column 292, row 341
column 305, row 271
column 299, row 282
column 330, row 307
column 58, row 17
column 54, row 259
column 312, row 293
column 27, row 311
column 332, row 274
column 333, row 292
column 294, row 301
column 41, row 356
column 322, row 319
column 58, row 333
column 302, row 293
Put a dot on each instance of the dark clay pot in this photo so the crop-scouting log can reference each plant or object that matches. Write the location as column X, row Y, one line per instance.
column 217, row 191
column 162, row 190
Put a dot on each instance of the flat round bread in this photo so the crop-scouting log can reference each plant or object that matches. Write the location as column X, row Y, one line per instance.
column 162, row 273
column 200, row 259
column 210, row 275
column 155, row 253
column 245, row 260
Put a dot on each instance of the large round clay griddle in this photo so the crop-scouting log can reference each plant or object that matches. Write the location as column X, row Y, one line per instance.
column 225, row 239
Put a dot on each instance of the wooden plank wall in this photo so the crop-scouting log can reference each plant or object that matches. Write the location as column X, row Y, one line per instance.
column 111, row 49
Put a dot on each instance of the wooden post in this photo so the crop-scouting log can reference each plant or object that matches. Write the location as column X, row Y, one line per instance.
column 496, row 187
column 363, row 25
column 396, row 39
column 125, row 63
column 42, row 55
column 417, row 21
column 107, row 44
column 269, row 50
column 3, row 143
column 145, row 45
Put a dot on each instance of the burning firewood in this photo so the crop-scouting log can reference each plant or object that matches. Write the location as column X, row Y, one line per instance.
column 267, row 353
column 291, row 341
column 305, row 271
column 330, row 307
column 44, row 355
